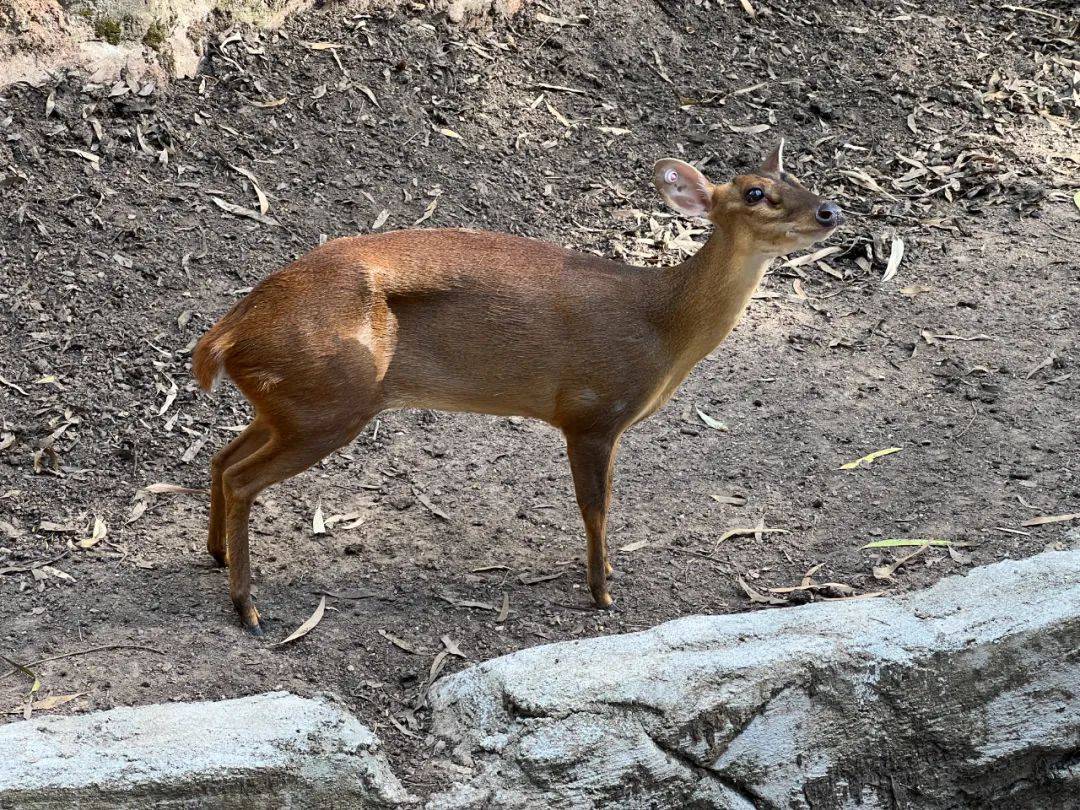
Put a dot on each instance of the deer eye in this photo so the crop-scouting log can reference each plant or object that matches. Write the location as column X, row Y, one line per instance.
column 754, row 195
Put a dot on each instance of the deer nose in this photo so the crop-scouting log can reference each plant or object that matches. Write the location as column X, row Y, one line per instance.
column 829, row 215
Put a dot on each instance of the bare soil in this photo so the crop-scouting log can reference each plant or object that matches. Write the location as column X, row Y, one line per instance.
column 948, row 125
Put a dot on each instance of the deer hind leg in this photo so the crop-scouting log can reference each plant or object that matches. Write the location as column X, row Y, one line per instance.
column 592, row 462
column 251, row 439
column 284, row 455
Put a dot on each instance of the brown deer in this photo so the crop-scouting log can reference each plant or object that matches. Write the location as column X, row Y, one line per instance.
column 464, row 320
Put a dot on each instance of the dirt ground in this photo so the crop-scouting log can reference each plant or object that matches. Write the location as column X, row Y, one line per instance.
column 949, row 127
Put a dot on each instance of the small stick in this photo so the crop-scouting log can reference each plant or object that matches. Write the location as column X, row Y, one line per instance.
column 84, row 652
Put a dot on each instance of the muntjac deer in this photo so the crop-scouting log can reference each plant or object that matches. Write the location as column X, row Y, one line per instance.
column 464, row 320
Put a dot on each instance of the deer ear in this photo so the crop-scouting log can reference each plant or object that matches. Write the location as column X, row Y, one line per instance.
column 774, row 163
column 683, row 187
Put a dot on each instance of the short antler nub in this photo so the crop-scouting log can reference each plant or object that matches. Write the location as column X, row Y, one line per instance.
column 774, row 163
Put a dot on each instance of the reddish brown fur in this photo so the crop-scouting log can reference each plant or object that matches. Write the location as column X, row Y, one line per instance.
column 472, row 321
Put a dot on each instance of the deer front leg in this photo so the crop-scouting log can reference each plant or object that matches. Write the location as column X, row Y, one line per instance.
column 592, row 462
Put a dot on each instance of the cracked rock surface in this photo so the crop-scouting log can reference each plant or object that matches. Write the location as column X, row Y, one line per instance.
column 961, row 695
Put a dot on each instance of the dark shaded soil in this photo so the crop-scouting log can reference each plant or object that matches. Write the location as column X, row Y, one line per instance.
column 108, row 278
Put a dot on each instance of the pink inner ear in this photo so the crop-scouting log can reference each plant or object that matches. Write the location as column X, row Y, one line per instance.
column 688, row 195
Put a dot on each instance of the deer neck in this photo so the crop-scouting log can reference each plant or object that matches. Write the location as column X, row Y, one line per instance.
column 710, row 291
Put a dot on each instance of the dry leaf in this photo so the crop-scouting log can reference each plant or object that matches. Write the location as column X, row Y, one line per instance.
column 367, row 92
column 930, row 339
column 1046, row 363
column 749, row 9
column 63, row 576
column 958, row 556
column 449, row 133
column 137, row 511
column 426, row 501
column 504, row 611
column 400, row 643
column 635, row 545
column 895, row 255
column 277, row 102
column 170, row 398
column 742, row 531
column 871, row 458
column 760, row 598
column 886, row 571
column 524, row 580
column 899, row 542
column 169, row 489
column 100, row 530
column 1040, row 521
column 915, row 289
column 559, row 21
column 732, row 500
column 46, row 704
column 753, row 129
column 264, row 203
column 350, row 520
column 715, row 424
column 241, row 211
column 380, row 220
column 811, row 258
column 428, row 211
column 191, row 452
column 318, row 525
column 558, row 116
column 95, row 160
column 307, row 626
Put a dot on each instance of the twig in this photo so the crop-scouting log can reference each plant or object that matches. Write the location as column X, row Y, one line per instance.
column 973, row 418
column 84, row 652
column 1036, row 11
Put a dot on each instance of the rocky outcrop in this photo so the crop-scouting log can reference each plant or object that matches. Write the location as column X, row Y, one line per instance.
column 963, row 695
column 271, row 750
column 162, row 38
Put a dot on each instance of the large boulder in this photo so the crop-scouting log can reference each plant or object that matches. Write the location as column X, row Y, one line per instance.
column 269, row 750
column 963, row 695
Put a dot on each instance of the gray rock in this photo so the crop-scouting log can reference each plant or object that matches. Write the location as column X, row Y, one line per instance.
column 270, row 750
column 962, row 695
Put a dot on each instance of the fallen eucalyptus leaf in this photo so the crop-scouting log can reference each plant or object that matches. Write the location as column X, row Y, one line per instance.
column 307, row 626
column 760, row 598
column 241, row 211
column 895, row 255
column 886, row 571
column 634, row 546
column 98, row 534
column 264, row 203
column 1040, row 521
column 907, row 541
column 715, row 424
column 871, row 458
